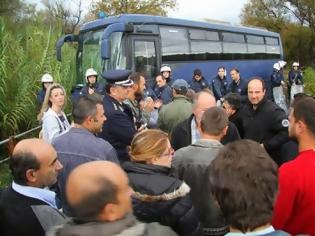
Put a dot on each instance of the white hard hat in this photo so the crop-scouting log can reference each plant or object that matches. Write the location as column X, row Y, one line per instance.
column 165, row 68
column 276, row 66
column 296, row 64
column 90, row 72
column 282, row 64
column 47, row 78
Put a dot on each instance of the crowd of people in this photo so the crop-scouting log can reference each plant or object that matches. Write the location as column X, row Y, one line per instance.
column 182, row 158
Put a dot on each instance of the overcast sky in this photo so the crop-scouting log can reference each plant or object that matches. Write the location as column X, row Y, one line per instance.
column 222, row 10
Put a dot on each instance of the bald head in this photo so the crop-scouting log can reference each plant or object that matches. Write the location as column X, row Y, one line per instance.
column 34, row 163
column 35, row 146
column 256, row 91
column 93, row 186
column 202, row 101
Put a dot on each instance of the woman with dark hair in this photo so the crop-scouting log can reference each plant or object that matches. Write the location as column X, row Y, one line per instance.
column 159, row 197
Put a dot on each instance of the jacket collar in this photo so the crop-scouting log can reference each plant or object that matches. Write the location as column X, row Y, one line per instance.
column 260, row 104
column 78, row 227
column 180, row 97
column 207, row 143
column 42, row 194
column 143, row 168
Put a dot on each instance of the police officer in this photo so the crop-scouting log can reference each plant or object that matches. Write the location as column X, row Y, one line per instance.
column 198, row 82
column 277, row 82
column 238, row 85
column 166, row 73
column 119, row 128
column 46, row 81
column 264, row 121
column 92, row 86
column 295, row 77
column 220, row 84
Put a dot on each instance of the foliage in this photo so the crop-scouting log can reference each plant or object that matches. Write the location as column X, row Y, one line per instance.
column 265, row 13
column 294, row 20
column 60, row 12
column 24, row 56
column 297, row 43
column 5, row 175
column 115, row 7
column 309, row 80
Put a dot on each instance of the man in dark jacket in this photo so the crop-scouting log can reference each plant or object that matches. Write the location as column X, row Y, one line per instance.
column 99, row 195
column 264, row 121
column 186, row 132
column 190, row 164
column 26, row 206
column 232, row 106
column 119, row 128
column 162, row 89
column 198, row 82
column 220, row 84
column 79, row 145
column 238, row 85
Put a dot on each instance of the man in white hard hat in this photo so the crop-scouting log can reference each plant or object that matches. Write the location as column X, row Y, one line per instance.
column 46, row 81
column 92, row 86
column 277, row 80
column 295, row 78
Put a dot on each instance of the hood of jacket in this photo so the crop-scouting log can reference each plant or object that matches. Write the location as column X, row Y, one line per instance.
column 128, row 226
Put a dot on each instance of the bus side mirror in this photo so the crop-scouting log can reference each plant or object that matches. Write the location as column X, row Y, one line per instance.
column 62, row 40
column 105, row 49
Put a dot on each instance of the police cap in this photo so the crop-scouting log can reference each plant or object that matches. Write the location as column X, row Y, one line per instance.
column 118, row 77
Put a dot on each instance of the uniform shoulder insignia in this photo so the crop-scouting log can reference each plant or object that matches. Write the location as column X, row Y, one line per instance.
column 115, row 106
column 285, row 123
column 121, row 108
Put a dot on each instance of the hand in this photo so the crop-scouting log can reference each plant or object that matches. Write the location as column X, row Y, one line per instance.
column 142, row 127
column 148, row 104
column 91, row 91
column 158, row 103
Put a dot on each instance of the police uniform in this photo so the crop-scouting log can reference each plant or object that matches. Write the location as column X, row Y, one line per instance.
column 239, row 87
column 119, row 128
column 268, row 124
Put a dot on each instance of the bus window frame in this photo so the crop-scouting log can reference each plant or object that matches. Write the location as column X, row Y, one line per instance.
column 131, row 50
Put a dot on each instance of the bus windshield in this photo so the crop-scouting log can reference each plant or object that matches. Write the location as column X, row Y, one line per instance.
column 91, row 57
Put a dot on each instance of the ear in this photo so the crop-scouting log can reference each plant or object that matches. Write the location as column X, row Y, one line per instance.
column 135, row 87
column 224, row 131
column 31, row 175
column 112, row 90
column 88, row 120
column 108, row 213
column 300, row 127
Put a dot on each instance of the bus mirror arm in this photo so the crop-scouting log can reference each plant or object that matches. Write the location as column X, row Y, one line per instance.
column 62, row 40
column 116, row 27
column 105, row 49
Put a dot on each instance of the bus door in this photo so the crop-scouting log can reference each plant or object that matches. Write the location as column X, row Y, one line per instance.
column 145, row 56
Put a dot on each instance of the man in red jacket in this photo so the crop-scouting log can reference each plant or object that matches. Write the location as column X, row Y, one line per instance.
column 294, row 210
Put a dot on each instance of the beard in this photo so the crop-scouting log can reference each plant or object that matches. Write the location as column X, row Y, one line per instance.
column 138, row 96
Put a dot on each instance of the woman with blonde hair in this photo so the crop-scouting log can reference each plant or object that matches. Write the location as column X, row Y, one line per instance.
column 159, row 197
column 53, row 119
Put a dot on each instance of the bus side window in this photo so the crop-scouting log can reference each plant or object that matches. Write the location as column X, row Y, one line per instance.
column 145, row 57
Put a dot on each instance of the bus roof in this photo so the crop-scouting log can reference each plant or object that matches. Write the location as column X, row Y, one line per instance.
column 160, row 20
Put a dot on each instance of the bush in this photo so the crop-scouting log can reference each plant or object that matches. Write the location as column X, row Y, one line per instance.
column 309, row 80
column 24, row 56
